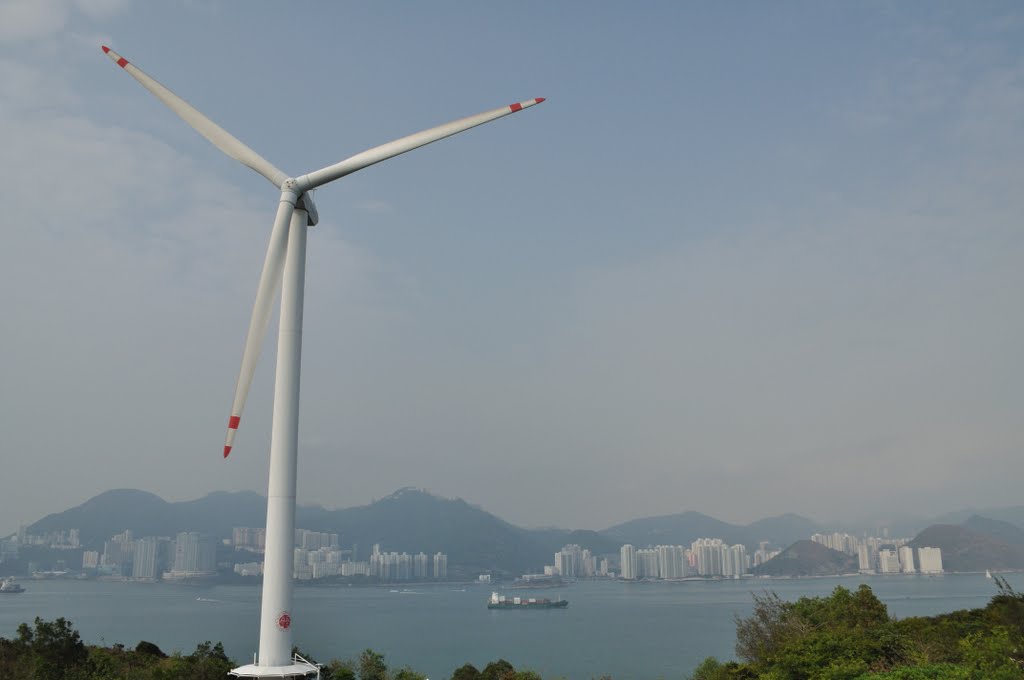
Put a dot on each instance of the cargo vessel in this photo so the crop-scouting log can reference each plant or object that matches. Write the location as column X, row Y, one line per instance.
column 502, row 602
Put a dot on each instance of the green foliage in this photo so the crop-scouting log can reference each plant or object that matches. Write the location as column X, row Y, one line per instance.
column 466, row 672
column 51, row 650
column 943, row 671
column 372, row 666
column 849, row 636
column 711, row 669
column 338, row 669
column 149, row 649
column 993, row 656
column 526, row 675
column 498, row 670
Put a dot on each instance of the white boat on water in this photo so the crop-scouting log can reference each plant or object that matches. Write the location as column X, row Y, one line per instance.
column 8, row 586
column 988, row 574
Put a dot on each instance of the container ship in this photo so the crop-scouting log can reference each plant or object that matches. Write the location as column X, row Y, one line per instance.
column 502, row 602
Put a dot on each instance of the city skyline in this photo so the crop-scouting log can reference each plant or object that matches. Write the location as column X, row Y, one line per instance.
column 317, row 555
column 744, row 261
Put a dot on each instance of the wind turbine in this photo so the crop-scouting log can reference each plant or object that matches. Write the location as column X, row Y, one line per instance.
column 286, row 262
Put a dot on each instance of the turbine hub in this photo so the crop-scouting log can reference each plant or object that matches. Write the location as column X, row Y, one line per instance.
column 303, row 201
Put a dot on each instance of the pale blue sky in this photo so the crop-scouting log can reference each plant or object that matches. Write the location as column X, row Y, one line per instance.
column 748, row 258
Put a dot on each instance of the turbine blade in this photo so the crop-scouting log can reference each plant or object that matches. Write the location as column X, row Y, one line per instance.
column 214, row 133
column 400, row 146
column 270, row 282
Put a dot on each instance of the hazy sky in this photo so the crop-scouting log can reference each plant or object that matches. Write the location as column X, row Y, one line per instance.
column 748, row 258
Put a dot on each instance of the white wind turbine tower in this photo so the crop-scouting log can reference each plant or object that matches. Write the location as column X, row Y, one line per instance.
column 286, row 261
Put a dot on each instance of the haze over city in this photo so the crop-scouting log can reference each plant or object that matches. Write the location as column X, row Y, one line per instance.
column 745, row 260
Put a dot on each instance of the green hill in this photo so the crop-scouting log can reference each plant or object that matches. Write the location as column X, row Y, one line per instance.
column 967, row 549
column 807, row 558
column 996, row 528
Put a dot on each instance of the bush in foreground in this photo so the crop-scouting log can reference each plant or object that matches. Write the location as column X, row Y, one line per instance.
column 850, row 636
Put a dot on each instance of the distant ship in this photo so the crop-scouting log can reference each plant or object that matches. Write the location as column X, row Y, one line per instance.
column 8, row 586
column 502, row 602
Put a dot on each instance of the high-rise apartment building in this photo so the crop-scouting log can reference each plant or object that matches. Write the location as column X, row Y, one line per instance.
column 709, row 555
column 865, row 561
column 907, row 559
column 440, row 566
column 421, row 564
column 145, row 565
column 930, row 560
column 888, row 562
column 194, row 555
column 627, row 562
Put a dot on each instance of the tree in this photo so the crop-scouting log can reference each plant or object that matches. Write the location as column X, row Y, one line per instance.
column 53, row 649
column 372, row 666
column 339, row 670
column 208, row 662
column 526, row 675
column 762, row 634
column 710, row 669
column 466, row 672
column 407, row 673
column 498, row 670
column 839, row 637
column 149, row 649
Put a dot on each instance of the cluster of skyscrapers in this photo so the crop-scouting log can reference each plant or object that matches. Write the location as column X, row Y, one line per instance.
column 189, row 555
column 884, row 555
column 319, row 555
column 572, row 561
column 705, row 557
column 61, row 539
column 64, row 539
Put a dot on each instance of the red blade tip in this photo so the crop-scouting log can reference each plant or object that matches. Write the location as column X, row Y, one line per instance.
column 105, row 48
column 227, row 450
column 539, row 99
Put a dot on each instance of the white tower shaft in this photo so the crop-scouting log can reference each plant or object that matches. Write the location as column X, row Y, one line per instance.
column 276, row 610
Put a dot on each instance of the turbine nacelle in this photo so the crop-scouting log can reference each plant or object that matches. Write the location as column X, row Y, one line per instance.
column 305, row 202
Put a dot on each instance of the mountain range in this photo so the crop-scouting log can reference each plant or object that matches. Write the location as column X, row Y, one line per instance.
column 414, row 520
column 408, row 520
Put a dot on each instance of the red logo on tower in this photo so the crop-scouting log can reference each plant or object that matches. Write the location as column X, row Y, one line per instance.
column 284, row 621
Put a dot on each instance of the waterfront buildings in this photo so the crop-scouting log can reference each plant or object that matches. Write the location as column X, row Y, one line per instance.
column 195, row 556
column 906, row 554
column 627, row 562
column 930, row 560
column 884, row 555
column 705, row 557
column 145, row 565
column 888, row 562
column 572, row 561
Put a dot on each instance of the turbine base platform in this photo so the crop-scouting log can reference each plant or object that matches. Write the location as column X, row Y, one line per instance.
column 299, row 668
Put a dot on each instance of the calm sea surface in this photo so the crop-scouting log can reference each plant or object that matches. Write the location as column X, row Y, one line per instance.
column 628, row 631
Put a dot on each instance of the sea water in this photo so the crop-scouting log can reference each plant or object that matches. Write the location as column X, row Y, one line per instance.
column 629, row 631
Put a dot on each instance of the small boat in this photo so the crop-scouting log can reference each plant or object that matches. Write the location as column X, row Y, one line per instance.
column 9, row 587
column 988, row 574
